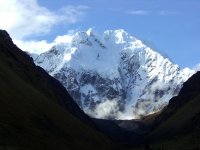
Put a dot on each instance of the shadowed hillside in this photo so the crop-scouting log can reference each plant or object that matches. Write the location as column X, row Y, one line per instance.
column 178, row 125
column 36, row 111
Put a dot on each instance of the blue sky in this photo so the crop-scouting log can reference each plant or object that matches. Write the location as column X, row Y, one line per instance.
column 170, row 26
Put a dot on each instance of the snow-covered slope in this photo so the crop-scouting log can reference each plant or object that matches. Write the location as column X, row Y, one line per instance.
column 113, row 75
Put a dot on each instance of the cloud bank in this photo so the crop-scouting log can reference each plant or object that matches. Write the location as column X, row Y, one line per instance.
column 33, row 46
column 26, row 18
column 38, row 47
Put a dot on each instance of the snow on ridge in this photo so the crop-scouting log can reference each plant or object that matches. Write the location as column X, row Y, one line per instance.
column 114, row 69
column 92, row 54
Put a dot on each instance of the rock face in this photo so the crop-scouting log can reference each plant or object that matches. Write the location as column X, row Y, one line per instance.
column 113, row 75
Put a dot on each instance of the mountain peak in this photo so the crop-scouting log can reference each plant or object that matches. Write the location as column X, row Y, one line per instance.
column 89, row 32
column 113, row 72
column 120, row 36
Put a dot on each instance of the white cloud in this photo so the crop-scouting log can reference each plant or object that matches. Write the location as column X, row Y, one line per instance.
column 38, row 47
column 161, row 13
column 64, row 39
column 138, row 12
column 32, row 46
column 106, row 109
column 167, row 13
column 197, row 67
column 23, row 18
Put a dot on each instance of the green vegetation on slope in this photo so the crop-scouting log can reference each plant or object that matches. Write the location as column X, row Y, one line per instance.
column 179, row 131
column 178, row 125
column 31, row 117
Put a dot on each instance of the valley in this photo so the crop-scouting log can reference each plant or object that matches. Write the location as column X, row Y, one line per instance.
column 38, row 113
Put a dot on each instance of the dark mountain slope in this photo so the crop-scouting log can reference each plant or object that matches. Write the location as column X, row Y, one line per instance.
column 23, row 66
column 190, row 90
column 33, row 108
column 178, row 126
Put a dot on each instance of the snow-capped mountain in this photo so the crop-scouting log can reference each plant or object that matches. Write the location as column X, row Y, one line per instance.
column 113, row 75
